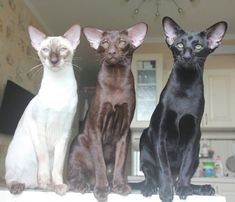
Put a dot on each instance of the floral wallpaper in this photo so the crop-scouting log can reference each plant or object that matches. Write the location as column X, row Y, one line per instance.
column 17, row 56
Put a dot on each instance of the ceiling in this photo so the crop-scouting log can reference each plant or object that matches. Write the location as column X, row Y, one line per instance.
column 58, row 15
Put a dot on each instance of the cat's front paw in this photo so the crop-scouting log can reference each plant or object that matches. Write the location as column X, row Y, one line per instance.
column 149, row 188
column 101, row 193
column 60, row 189
column 81, row 187
column 122, row 189
column 16, row 187
column 166, row 193
column 44, row 183
column 184, row 191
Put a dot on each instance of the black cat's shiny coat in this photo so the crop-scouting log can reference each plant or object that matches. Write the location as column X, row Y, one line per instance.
column 169, row 147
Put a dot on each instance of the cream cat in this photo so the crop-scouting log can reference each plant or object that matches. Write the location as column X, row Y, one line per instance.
column 35, row 157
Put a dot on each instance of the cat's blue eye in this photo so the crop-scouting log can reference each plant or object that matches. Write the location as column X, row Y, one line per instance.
column 63, row 49
column 198, row 47
column 180, row 46
column 45, row 50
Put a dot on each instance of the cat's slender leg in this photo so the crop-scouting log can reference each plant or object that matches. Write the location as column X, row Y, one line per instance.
column 165, row 180
column 58, row 166
column 120, row 185
column 101, row 188
column 121, row 120
column 191, row 135
column 148, row 166
column 41, row 149
column 80, row 172
column 158, row 135
column 62, row 131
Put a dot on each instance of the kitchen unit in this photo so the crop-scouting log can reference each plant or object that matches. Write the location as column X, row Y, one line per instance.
column 147, row 71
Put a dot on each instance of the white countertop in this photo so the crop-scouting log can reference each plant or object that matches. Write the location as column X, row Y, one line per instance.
column 194, row 179
column 39, row 196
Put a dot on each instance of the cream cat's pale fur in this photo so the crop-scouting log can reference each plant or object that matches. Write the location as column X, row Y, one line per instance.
column 35, row 157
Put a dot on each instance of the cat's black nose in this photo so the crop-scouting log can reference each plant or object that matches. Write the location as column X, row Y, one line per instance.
column 187, row 55
column 187, row 59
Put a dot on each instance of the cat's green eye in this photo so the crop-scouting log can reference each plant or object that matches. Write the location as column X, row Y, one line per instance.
column 198, row 47
column 180, row 45
column 105, row 44
column 122, row 44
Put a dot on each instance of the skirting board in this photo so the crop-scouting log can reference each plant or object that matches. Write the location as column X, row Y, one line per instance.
column 39, row 196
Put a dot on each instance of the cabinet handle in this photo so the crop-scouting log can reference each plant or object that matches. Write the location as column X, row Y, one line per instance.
column 206, row 119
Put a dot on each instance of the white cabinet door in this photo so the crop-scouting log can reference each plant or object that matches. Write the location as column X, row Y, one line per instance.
column 147, row 71
column 219, row 98
column 227, row 190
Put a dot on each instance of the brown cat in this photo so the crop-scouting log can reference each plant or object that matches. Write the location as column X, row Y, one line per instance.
column 97, row 156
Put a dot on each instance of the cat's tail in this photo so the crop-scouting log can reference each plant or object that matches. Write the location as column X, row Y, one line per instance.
column 206, row 189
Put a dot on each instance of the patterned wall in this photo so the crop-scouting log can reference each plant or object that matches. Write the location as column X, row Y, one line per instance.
column 17, row 56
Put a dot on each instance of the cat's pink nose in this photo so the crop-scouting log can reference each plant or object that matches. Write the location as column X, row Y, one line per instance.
column 54, row 58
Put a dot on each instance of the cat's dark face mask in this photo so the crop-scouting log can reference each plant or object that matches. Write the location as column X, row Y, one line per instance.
column 190, row 49
column 115, row 47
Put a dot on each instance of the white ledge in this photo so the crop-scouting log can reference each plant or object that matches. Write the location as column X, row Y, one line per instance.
column 39, row 196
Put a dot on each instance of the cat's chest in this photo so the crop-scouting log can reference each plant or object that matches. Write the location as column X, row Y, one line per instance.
column 184, row 100
column 118, row 94
column 118, row 88
column 58, row 96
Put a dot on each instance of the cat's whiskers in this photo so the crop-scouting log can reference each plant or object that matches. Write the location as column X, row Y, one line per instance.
column 76, row 67
column 35, row 67
column 38, row 71
column 30, row 73
column 35, row 58
column 100, row 60
column 76, row 58
column 198, row 68
column 201, row 58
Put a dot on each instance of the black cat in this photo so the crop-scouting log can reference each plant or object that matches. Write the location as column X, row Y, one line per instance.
column 169, row 147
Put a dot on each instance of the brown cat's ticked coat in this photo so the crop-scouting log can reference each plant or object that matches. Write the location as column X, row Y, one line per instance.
column 97, row 156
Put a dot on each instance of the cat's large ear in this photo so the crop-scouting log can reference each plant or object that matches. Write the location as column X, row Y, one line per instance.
column 94, row 36
column 36, row 37
column 73, row 35
column 171, row 30
column 215, row 34
column 137, row 33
